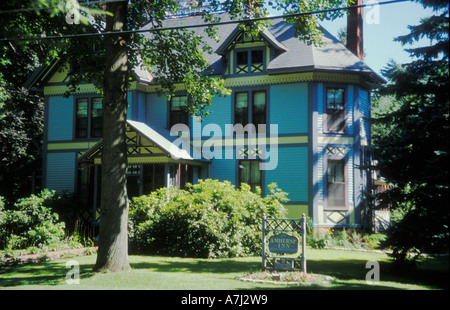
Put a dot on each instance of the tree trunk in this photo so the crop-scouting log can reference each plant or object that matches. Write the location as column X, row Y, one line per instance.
column 113, row 238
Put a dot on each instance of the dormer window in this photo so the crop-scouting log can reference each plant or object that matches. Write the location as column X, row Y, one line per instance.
column 249, row 61
column 257, row 61
column 241, row 62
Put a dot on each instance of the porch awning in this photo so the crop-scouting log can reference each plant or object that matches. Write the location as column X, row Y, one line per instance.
column 145, row 145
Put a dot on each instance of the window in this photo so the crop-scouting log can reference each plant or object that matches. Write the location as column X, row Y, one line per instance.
column 336, row 183
column 335, row 109
column 178, row 111
column 249, row 61
column 241, row 62
column 89, row 118
column 257, row 64
column 241, row 109
column 250, row 173
column 259, row 108
column 153, row 177
column 97, row 118
column 257, row 114
column 82, row 118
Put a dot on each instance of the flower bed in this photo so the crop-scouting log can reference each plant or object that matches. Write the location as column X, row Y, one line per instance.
column 287, row 278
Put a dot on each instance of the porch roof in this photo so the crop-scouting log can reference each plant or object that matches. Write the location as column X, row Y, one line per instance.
column 146, row 145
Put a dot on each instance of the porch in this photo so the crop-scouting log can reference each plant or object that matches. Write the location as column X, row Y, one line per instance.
column 153, row 162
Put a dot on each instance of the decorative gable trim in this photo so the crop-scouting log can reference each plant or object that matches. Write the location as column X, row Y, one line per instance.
column 262, row 80
column 62, row 89
column 259, row 80
column 238, row 36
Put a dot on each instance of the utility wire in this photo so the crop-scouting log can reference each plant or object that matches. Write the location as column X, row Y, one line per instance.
column 47, row 8
column 84, row 35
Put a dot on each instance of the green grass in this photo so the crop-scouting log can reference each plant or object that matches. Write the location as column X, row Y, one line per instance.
column 171, row 273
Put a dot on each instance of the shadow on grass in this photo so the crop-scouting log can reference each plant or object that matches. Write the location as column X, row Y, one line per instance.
column 349, row 274
column 431, row 275
column 45, row 273
column 220, row 266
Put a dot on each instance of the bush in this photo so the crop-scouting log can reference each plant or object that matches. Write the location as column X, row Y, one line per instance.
column 30, row 223
column 209, row 219
column 374, row 241
column 322, row 237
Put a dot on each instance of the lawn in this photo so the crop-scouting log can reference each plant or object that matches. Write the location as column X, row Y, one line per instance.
column 172, row 273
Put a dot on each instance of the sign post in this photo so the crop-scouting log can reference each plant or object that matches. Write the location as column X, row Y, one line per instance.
column 280, row 243
column 304, row 243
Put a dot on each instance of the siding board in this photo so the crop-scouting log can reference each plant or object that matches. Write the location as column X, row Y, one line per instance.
column 289, row 107
column 291, row 173
column 221, row 112
column 60, row 118
column 156, row 111
column 223, row 170
column 61, row 172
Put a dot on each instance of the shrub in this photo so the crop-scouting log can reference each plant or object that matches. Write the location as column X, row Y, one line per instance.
column 30, row 222
column 208, row 219
column 321, row 237
column 374, row 241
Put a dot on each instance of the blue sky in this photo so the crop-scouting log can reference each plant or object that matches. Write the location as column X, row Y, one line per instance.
column 379, row 44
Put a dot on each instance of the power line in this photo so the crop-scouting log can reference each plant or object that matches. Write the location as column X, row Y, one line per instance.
column 24, row 10
column 84, row 35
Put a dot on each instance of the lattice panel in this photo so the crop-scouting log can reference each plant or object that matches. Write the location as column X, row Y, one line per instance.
column 284, row 225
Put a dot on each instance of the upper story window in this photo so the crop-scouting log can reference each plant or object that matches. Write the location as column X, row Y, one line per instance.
column 89, row 118
column 259, row 108
column 335, row 109
column 241, row 108
column 97, row 118
column 250, row 108
column 249, row 61
column 178, row 111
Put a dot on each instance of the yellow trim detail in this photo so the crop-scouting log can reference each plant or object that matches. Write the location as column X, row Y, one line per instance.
column 296, row 211
column 61, row 89
column 229, row 82
column 335, row 140
column 70, row 145
column 257, row 141
column 60, row 75
column 320, row 214
column 155, row 160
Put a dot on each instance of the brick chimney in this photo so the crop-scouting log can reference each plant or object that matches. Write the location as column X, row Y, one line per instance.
column 355, row 30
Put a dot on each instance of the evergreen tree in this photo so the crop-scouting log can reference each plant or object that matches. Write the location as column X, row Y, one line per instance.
column 412, row 151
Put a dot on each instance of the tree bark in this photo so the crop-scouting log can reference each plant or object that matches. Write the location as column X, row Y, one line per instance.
column 113, row 238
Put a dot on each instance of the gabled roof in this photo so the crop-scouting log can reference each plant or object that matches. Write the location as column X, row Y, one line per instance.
column 41, row 75
column 293, row 55
column 147, row 145
column 265, row 34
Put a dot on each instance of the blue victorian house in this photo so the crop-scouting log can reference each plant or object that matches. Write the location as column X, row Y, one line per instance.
column 308, row 109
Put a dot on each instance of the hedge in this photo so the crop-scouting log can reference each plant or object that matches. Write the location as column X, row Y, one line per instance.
column 208, row 219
